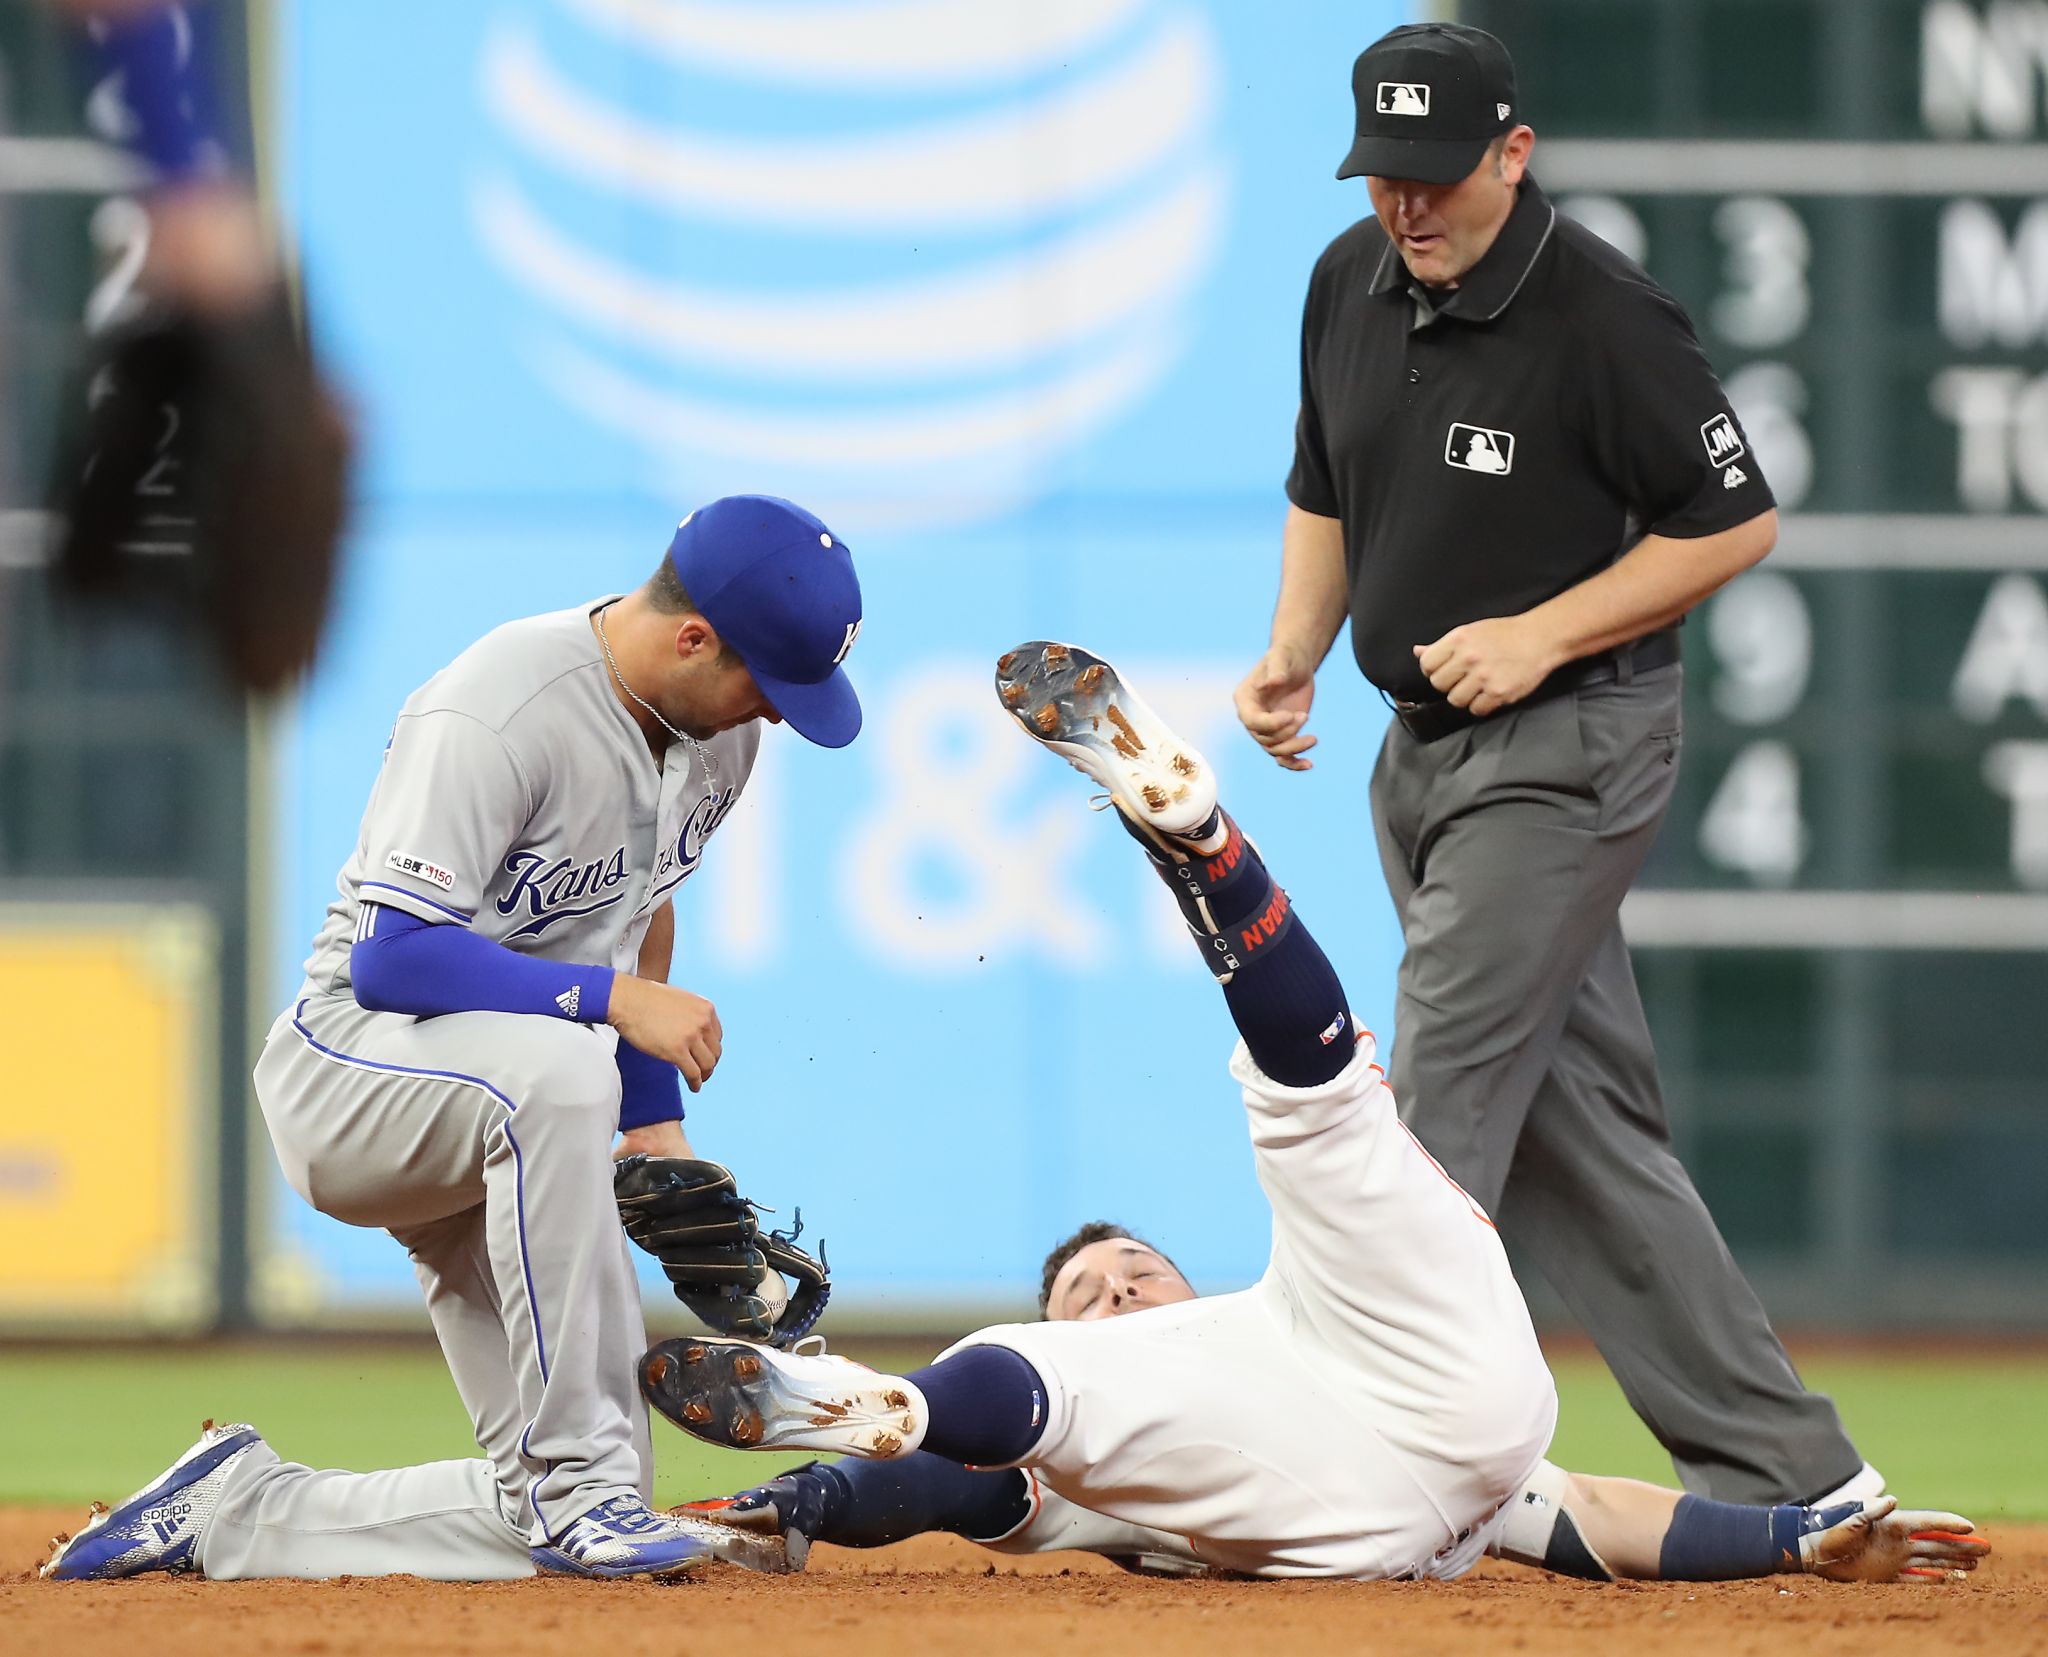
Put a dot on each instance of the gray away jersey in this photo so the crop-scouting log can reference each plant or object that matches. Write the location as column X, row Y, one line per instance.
column 518, row 797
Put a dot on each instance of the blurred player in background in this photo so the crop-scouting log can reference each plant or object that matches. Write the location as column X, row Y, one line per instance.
column 208, row 464
column 1375, row 1407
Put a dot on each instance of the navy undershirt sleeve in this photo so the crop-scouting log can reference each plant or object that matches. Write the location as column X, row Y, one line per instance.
column 401, row 964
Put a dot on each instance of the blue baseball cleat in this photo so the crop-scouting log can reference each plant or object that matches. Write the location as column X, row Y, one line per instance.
column 624, row 1537
column 157, row 1528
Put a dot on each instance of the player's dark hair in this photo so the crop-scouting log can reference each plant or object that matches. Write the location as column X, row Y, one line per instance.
column 666, row 593
column 1095, row 1231
column 667, row 596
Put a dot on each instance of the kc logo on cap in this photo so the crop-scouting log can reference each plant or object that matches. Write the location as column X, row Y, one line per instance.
column 1403, row 98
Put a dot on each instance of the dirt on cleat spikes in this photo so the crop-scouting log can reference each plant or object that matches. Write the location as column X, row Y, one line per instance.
column 1056, row 657
column 1183, row 765
column 697, row 1410
column 1047, row 719
column 658, row 1368
column 1007, row 662
column 1155, row 796
column 887, row 1444
column 1013, row 693
column 746, row 1428
column 1090, row 678
column 1126, row 733
column 746, row 1368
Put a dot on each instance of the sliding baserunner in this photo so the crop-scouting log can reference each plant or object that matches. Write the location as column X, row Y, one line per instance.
column 1374, row 1407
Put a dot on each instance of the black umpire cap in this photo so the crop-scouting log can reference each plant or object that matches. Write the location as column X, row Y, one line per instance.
column 1431, row 97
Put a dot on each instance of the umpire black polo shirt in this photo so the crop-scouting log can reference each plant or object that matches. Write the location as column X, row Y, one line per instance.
column 1490, row 446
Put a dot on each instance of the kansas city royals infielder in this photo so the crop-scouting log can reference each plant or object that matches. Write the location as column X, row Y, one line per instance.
column 1375, row 1407
column 486, row 1004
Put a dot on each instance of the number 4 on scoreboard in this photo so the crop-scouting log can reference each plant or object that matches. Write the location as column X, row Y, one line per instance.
column 1753, row 825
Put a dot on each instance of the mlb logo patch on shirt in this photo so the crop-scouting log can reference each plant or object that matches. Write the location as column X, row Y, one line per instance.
column 420, row 869
column 1723, row 441
column 1480, row 449
column 1402, row 98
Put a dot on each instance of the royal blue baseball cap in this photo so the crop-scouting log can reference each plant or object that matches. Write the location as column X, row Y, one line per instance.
column 779, row 587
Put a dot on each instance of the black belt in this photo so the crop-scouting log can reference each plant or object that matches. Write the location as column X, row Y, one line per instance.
column 1427, row 721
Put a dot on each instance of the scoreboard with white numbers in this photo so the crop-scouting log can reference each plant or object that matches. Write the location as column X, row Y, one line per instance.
column 1843, row 935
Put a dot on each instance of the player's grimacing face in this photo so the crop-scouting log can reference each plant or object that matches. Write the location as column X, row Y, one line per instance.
column 1442, row 230
column 1111, row 1278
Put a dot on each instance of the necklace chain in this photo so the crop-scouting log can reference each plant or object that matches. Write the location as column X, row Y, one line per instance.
column 704, row 760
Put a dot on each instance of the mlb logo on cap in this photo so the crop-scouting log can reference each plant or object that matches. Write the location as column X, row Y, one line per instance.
column 1403, row 98
column 1430, row 98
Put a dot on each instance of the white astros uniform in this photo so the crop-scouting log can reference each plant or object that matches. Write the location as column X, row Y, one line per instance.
column 518, row 798
column 1366, row 1410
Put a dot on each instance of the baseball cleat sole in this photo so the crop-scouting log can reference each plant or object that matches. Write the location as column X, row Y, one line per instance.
column 1076, row 704
column 749, row 1397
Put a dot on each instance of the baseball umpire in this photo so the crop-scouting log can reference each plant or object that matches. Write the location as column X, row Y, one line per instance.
column 486, row 1005
column 1515, row 472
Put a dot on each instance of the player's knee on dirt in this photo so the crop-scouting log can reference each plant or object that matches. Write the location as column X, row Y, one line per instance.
column 1541, row 1531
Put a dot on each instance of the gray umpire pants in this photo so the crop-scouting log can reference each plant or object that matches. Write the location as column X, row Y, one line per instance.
column 482, row 1143
column 1522, row 1060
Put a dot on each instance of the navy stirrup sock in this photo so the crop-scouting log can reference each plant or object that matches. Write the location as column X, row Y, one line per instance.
column 987, row 1406
column 1282, row 990
column 869, row 1504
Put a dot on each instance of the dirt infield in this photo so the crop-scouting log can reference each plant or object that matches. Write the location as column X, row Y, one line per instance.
column 936, row 1596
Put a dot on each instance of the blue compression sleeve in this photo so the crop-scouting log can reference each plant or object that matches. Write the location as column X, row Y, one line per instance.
column 650, row 1089
column 869, row 1504
column 164, row 59
column 401, row 964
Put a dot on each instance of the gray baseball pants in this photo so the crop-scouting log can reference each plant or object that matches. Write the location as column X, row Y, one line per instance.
column 1522, row 1060
column 482, row 1143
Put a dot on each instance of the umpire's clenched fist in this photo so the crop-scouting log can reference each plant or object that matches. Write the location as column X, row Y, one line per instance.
column 1273, row 703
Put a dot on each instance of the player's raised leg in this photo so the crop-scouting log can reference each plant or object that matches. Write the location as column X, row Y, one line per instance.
column 1282, row 990
column 985, row 1404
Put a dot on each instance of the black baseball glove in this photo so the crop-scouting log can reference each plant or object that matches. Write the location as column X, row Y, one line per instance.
column 690, row 1216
